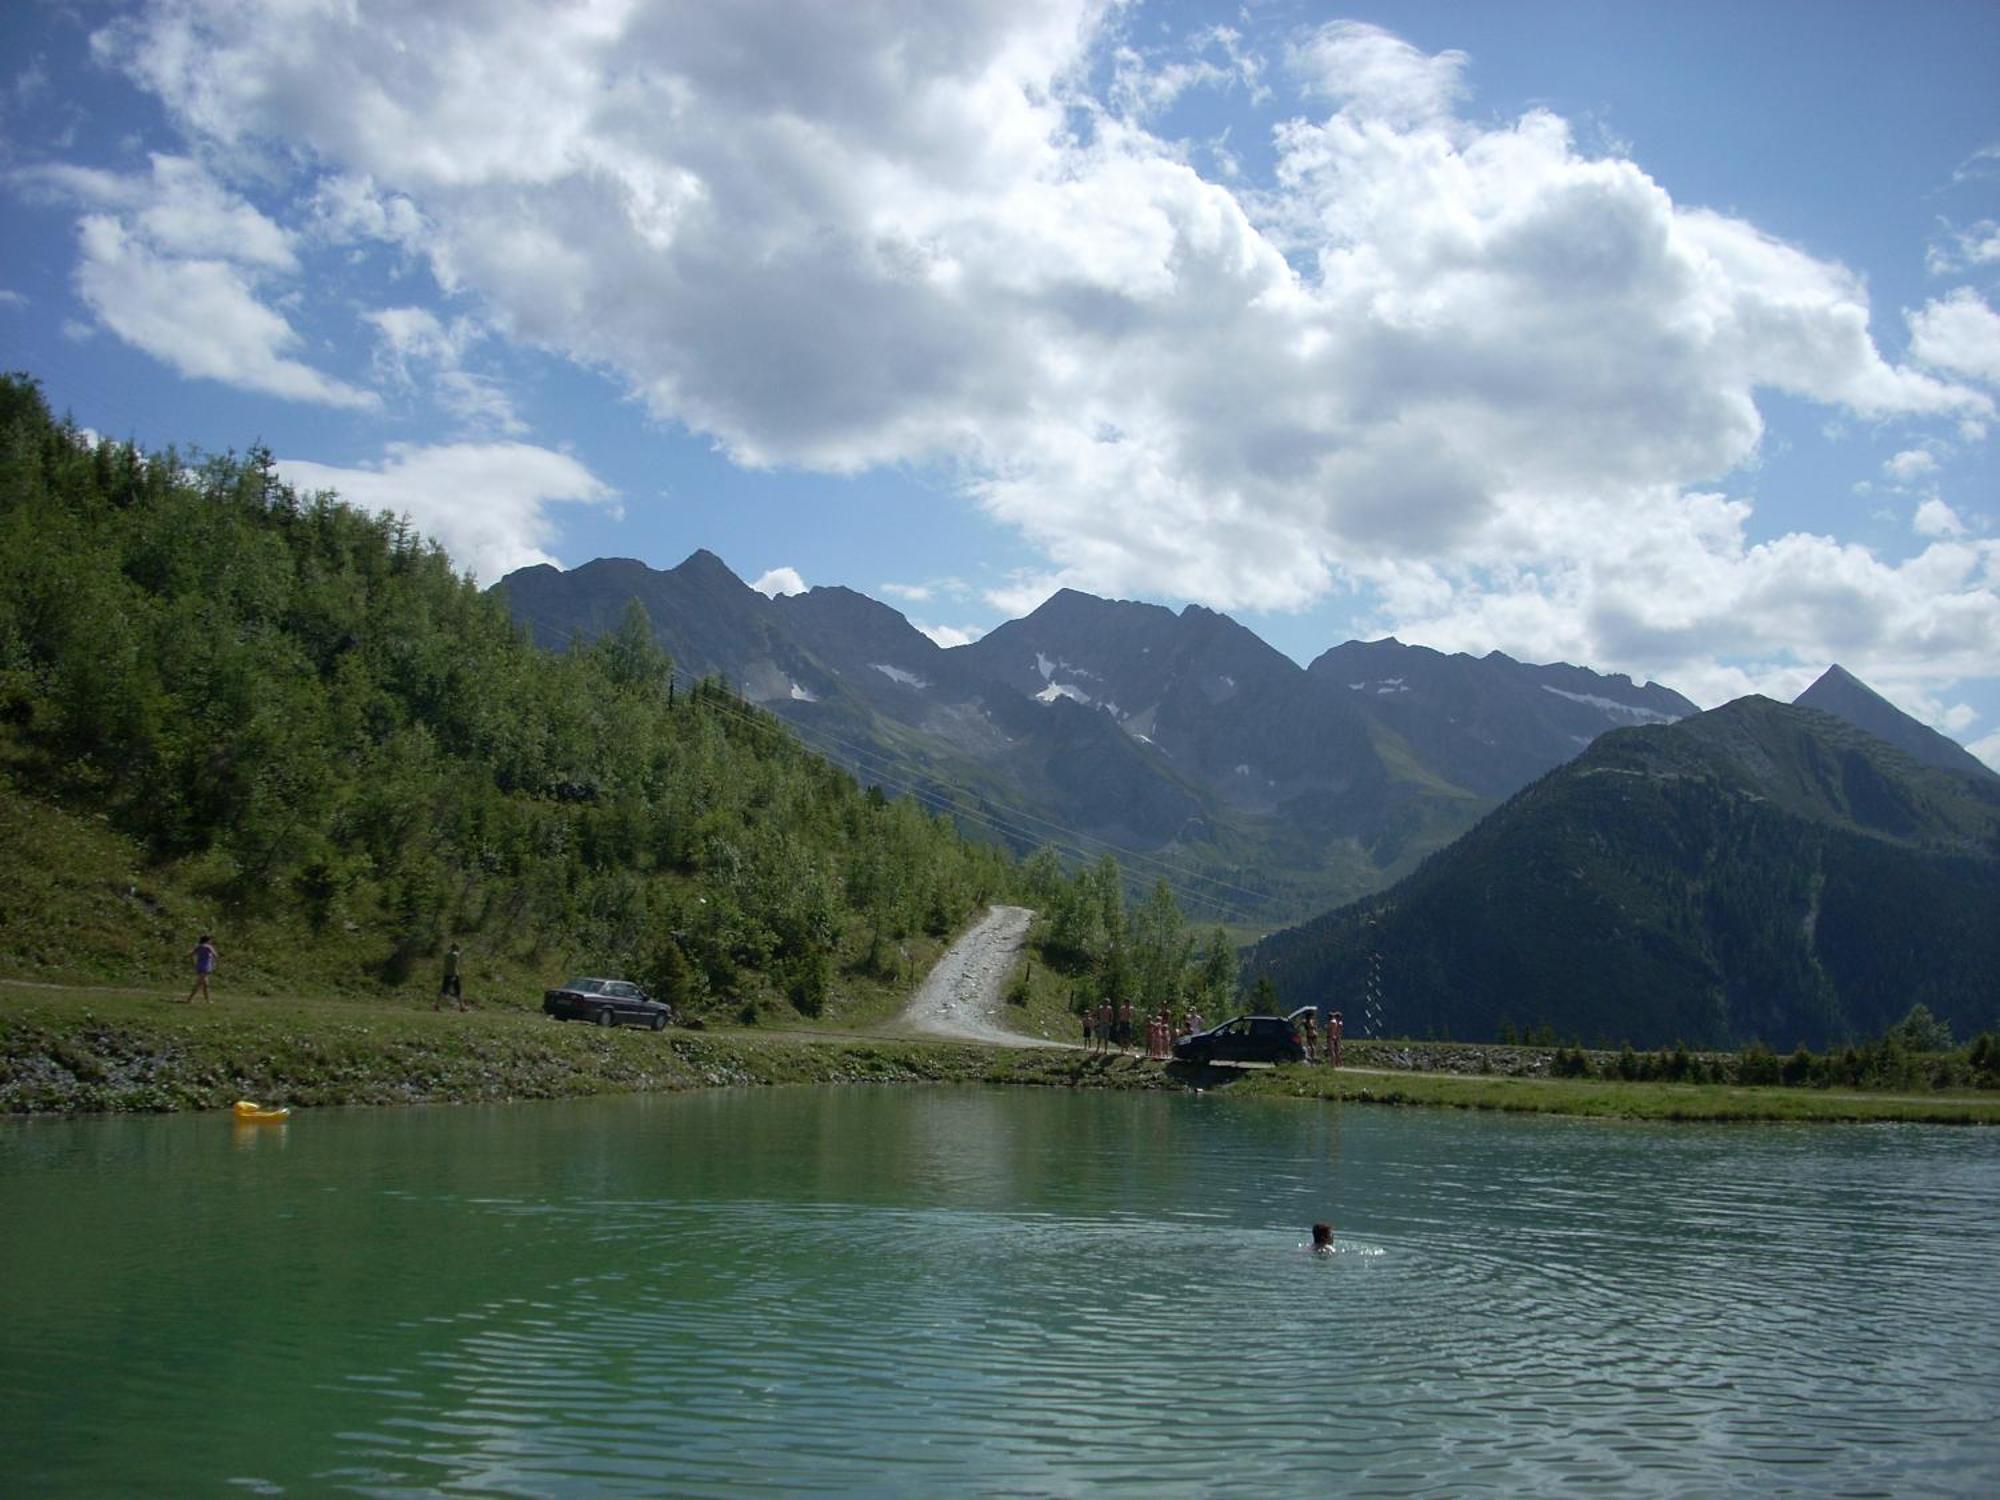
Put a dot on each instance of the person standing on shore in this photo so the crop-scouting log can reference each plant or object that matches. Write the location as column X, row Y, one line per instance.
column 449, row 984
column 206, row 957
column 1334, row 1031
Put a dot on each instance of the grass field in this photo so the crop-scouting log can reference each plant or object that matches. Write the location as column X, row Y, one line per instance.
column 1616, row 1099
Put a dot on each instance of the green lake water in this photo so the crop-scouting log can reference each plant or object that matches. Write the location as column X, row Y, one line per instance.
column 945, row 1291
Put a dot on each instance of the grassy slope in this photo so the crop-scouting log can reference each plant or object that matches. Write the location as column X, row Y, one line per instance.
column 80, row 905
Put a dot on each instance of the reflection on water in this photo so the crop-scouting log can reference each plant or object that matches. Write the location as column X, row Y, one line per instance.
column 915, row 1291
column 249, row 1135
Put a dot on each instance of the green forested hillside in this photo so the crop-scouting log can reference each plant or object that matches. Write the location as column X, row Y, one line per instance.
column 225, row 702
column 1760, row 871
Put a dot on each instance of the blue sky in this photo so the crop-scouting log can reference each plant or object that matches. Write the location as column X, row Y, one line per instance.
column 1657, row 338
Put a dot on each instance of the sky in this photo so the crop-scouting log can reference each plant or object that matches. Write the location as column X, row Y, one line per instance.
column 1661, row 339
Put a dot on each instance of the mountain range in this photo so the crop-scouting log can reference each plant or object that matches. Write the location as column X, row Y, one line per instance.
column 1486, row 843
column 1263, row 790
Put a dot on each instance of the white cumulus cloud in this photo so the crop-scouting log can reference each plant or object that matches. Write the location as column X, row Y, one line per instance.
column 177, row 207
column 1962, row 249
column 413, row 344
column 1909, row 466
column 173, row 262
column 1452, row 363
column 950, row 635
column 777, row 581
column 202, row 317
column 1935, row 518
column 487, row 504
column 1959, row 333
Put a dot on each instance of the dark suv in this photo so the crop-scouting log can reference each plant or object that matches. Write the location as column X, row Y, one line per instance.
column 1245, row 1039
column 608, row 1002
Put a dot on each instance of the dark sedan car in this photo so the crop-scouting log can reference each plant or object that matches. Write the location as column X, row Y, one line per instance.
column 1245, row 1039
column 608, row 1002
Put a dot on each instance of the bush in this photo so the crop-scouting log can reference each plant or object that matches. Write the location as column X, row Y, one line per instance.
column 1758, row 1065
column 1570, row 1062
column 1920, row 1031
column 1983, row 1057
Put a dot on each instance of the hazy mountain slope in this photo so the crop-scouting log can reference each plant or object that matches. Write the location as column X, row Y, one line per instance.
column 1758, row 871
column 876, row 694
column 1221, row 704
column 711, row 621
column 1298, row 788
column 1490, row 724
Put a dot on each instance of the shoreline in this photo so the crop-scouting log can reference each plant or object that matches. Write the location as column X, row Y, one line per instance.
column 106, row 1051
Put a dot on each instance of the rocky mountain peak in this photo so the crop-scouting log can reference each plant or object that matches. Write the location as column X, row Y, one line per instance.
column 1840, row 693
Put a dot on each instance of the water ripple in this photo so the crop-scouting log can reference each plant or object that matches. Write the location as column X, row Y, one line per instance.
column 911, row 1292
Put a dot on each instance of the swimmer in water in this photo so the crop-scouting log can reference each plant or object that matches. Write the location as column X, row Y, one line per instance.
column 1322, row 1239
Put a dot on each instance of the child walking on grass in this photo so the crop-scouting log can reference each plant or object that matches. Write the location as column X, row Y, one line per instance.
column 205, row 959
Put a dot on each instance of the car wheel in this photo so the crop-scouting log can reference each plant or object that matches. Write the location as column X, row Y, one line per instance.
column 659, row 1023
column 607, row 1017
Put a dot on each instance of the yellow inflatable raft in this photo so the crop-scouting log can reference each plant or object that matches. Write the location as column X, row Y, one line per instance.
column 249, row 1110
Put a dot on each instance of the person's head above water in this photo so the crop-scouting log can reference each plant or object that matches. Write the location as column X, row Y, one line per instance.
column 1322, row 1236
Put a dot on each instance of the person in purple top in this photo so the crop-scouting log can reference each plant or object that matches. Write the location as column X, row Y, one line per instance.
column 205, row 959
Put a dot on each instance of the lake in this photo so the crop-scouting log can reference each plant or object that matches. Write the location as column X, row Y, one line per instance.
column 911, row 1291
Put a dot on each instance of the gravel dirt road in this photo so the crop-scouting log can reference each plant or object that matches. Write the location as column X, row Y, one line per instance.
column 962, row 996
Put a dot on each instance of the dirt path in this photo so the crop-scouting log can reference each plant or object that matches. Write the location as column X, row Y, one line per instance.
column 961, row 997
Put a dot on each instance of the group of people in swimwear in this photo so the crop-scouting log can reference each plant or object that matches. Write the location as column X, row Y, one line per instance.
column 1107, row 1026
column 1316, row 1051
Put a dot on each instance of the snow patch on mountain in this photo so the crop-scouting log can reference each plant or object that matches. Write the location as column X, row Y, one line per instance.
column 897, row 674
column 1630, row 713
column 1057, row 690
